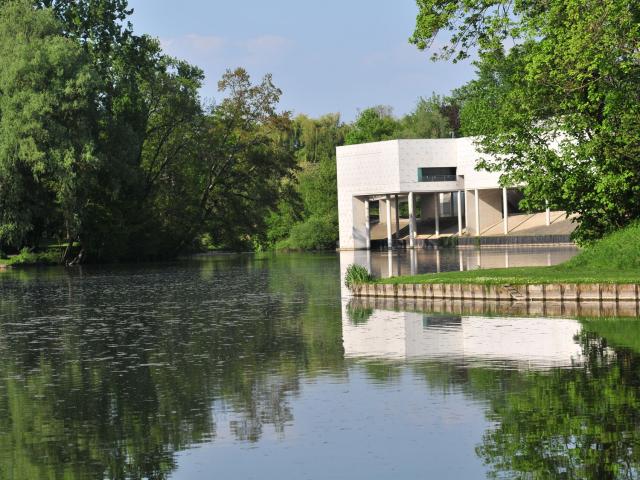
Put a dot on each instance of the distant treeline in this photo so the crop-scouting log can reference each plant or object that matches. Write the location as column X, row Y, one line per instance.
column 108, row 153
column 307, row 218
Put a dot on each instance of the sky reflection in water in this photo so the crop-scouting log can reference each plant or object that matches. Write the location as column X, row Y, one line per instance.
column 256, row 367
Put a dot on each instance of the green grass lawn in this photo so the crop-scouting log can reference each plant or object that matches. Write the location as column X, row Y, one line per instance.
column 523, row 275
column 49, row 257
column 614, row 259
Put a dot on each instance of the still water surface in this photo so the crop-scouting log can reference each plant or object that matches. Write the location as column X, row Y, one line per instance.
column 259, row 367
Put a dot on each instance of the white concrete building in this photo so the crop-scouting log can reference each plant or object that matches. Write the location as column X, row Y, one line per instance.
column 434, row 181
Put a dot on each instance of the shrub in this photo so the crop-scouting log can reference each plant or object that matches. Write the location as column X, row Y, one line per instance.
column 356, row 275
column 315, row 233
column 28, row 257
column 618, row 250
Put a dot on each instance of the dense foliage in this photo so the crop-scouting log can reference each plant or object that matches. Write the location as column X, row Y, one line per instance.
column 307, row 218
column 560, row 107
column 108, row 153
column 435, row 117
column 105, row 143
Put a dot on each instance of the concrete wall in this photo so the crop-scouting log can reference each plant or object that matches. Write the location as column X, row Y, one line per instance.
column 366, row 169
column 427, row 206
column 467, row 159
column 489, row 205
column 358, row 231
column 415, row 154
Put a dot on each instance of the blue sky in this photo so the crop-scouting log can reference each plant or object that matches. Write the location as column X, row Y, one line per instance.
column 329, row 56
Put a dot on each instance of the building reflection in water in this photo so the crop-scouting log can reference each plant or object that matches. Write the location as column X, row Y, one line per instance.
column 532, row 343
column 383, row 264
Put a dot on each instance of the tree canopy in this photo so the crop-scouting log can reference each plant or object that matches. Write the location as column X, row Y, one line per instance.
column 556, row 99
column 105, row 144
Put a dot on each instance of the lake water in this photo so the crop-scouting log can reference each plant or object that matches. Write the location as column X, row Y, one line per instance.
column 239, row 367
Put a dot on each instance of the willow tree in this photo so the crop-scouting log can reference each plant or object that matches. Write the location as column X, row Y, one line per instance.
column 48, row 98
column 557, row 98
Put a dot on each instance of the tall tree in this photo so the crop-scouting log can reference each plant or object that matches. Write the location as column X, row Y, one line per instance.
column 246, row 156
column 372, row 125
column 308, row 219
column 559, row 109
column 426, row 120
column 105, row 143
column 47, row 102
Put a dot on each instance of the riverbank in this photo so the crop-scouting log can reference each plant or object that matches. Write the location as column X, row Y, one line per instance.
column 520, row 276
column 613, row 260
column 26, row 258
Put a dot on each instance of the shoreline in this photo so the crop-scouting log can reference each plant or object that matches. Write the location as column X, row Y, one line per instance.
column 572, row 292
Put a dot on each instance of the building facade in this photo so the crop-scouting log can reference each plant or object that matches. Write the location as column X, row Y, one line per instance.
column 404, row 191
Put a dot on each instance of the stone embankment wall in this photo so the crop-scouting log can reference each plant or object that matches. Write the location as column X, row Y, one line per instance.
column 553, row 292
column 491, row 307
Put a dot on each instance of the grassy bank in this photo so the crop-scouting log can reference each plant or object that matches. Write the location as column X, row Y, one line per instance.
column 25, row 257
column 614, row 259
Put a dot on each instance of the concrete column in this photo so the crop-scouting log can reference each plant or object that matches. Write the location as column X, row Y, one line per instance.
column 459, row 212
column 461, row 260
column 367, row 225
column 389, row 237
column 390, row 263
column 548, row 215
column 397, row 203
column 466, row 210
column 414, row 261
column 412, row 221
column 437, row 209
column 476, row 200
column 438, row 259
column 505, row 211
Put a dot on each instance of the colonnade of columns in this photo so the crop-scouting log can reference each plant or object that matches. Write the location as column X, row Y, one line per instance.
column 390, row 200
column 490, row 205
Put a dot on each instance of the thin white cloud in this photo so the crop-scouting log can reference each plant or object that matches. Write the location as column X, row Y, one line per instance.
column 215, row 54
column 267, row 45
column 193, row 43
column 263, row 50
column 205, row 42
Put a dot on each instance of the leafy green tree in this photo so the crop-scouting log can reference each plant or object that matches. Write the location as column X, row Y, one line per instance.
column 372, row 125
column 48, row 94
column 426, row 120
column 560, row 108
column 246, row 157
column 105, row 142
column 314, row 225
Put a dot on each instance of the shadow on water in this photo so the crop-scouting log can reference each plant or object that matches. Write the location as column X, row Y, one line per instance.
column 117, row 372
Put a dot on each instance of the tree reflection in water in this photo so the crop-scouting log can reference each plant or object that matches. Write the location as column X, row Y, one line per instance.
column 108, row 374
column 570, row 423
column 578, row 422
